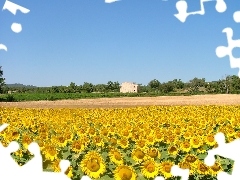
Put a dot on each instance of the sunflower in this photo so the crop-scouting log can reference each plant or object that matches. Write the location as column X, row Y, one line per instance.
column 86, row 140
column 202, row 168
column 116, row 156
column 231, row 132
column 93, row 165
column 187, row 135
column 104, row 132
column 26, row 140
column 43, row 135
column 98, row 141
column 150, row 169
column 91, row 131
column 69, row 172
column 124, row 143
column 186, row 165
column 13, row 136
column 159, row 137
column 170, row 139
column 55, row 165
column 210, row 140
column 165, row 168
column 196, row 142
column 135, row 136
column 178, row 131
column 50, row 152
column 150, row 140
column 77, row 146
column 68, row 135
column 142, row 144
column 124, row 172
column 113, row 141
column 173, row 150
column 126, row 133
column 61, row 141
column 191, row 159
column 215, row 169
column 185, row 146
column 153, row 153
column 138, row 155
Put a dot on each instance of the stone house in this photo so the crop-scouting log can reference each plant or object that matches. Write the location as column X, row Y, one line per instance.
column 128, row 87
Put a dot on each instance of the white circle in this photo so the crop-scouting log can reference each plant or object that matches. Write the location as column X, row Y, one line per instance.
column 17, row 28
column 236, row 16
column 221, row 6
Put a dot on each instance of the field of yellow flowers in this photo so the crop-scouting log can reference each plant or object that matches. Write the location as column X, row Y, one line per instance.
column 123, row 143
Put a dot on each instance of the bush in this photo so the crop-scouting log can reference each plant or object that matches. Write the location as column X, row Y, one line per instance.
column 10, row 98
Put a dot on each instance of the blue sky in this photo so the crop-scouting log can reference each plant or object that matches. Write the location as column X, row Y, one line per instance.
column 131, row 40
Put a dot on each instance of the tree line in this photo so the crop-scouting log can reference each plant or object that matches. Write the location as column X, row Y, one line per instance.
column 227, row 85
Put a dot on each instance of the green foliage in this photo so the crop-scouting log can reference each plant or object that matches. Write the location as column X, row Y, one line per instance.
column 229, row 84
column 2, row 80
column 154, row 84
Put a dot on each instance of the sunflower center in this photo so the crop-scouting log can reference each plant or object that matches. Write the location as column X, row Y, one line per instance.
column 93, row 165
column 158, row 135
column 98, row 140
column 139, row 154
column 69, row 136
column 105, row 132
column 61, row 139
column 150, row 168
column 117, row 156
column 173, row 149
column 51, row 152
column 186, row 145
column 191, row 159
column 14, row 134
column 167, row 169
column 125, row 174
column 210, row 138
column 78, row 146
column 92, row 131
column 184, row 165
column 124, row 142
column 150, row 139
column 203, row 168
column 153, row 153
column 27, row 140
column 195, row 141
column 113, row 141
column 141, row 144
column 126, row 133
column 215, row 167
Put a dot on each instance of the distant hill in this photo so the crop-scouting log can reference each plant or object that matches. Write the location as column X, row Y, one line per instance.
column 17, row 85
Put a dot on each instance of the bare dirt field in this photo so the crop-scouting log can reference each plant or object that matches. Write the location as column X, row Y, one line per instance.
column 223, row 99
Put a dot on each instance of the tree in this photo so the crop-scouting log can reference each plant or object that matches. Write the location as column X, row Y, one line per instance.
column 195, row 84
column 226, row 83
column 178, row 84
column 110, row 86
column 87, row 87
column 55, row 89
column 2, row 80
column 72, row 87
column 167, row 87
column 154, row 84
column 235, row 84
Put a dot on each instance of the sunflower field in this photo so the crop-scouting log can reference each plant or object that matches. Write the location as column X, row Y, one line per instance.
column 136, row 143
